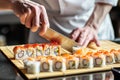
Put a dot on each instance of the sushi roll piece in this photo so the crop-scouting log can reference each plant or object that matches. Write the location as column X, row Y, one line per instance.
column 30, row 51
column 46, row 65
column 46, row 49
column 19, row 52
column 55, row 49
column 77, row 55
column 38, row 49
column 33, row 67
column 116, row 55
column 59, row 64
column 72, row 62
column 110, row 59
column 28, row 60
column 99, row 60
column 76, row 48
column 86, row 62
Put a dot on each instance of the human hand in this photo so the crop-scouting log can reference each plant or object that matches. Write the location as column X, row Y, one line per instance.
column 85, row 35
column 31, row 14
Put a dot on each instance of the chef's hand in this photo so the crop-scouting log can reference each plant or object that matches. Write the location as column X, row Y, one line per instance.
column 88, row 33
column 85, row 35
column 31, row 14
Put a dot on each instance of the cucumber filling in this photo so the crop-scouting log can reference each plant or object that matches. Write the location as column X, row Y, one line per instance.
column 71, row 64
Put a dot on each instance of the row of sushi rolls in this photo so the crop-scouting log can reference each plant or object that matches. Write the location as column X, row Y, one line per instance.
column 47, row 57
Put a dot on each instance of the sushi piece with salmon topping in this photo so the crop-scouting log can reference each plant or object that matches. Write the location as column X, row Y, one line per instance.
column 86, row 62
column 32, row 66
column 116, row 55
column 55, row 49
column 19, row 52
column 30, row 51
column 72, row 62
column 28, row 60
column 99, row 59
column 59, row 64
column 110, row 59
column 46, row 49
column 38, row 49
column 46, row 64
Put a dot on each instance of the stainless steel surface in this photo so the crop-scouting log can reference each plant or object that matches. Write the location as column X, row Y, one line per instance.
column 65, row 42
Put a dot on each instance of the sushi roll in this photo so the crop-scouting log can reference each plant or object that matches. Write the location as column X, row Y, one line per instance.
column 38, row 49
column 33, row 67
column 72, row 62
column 116, row 55
column 99, row 59
column 77, row 55
column 76, row 48
column 19, row 52
column 28, row 60
column 109, row 57
column 59, row 64
column 46, row 65
column 55, row 49
column 46, row 49
column 30, row 51
column 86, row 62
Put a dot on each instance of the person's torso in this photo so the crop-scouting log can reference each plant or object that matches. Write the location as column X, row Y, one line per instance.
column 67, row 15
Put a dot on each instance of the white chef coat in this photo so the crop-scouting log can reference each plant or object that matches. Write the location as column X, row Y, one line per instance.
column 66, row 15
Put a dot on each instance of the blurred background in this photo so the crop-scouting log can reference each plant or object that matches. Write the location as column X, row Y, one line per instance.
column 12, row 32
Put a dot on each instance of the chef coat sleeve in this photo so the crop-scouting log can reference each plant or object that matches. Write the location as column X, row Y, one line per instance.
column 112, row 2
